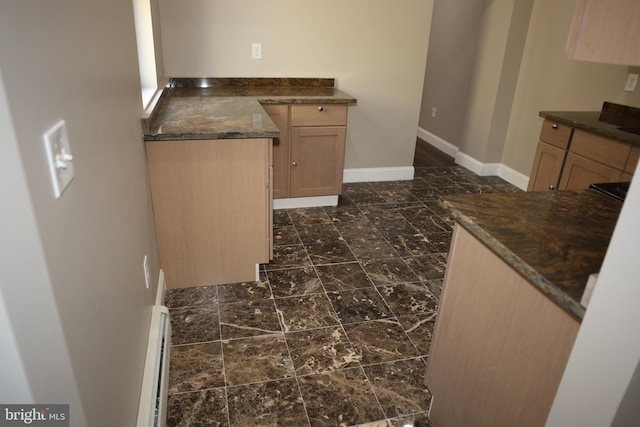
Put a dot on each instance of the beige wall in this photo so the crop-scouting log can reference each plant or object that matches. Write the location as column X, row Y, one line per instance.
column 376, row 50
column 73, row 282
column 550, row 81
column 452, row 51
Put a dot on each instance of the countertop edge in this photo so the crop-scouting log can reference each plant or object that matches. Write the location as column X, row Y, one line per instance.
column 525, row 270
column 591, row 124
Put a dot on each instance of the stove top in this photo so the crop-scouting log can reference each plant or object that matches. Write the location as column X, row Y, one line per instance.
column 617, row 190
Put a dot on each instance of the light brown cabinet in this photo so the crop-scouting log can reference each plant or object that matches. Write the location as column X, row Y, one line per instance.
column 309, row 155
column 568, row 159
column 212, row 207
column 500, row 346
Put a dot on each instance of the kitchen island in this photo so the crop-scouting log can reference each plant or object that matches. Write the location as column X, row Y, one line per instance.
column 510, row 308
column 211, row 165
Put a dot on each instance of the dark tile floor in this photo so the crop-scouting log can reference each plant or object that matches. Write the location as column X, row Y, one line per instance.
column 338, row 330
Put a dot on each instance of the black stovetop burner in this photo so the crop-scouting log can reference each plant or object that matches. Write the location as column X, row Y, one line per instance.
column 617, row 190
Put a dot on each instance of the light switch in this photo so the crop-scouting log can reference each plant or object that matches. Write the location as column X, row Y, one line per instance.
column 56, row 141
column 256, row 50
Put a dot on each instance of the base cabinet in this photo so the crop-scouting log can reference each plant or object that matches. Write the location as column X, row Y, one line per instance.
column 572, row 159
column 212, row 209
column 309, row 154
column 500, row 346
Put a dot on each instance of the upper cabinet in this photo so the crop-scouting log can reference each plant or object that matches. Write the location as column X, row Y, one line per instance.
column 605, row 31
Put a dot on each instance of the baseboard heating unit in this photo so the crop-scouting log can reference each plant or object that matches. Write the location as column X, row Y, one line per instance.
column 152, row 411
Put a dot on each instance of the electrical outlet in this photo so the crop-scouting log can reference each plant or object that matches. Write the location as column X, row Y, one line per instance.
column 145, row 266
column 632, row 80
column 256, row 50
column 434, row 112
column 56, row 141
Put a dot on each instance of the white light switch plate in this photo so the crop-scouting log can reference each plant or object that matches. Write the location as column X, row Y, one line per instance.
column 56, row 141
column 256, row 50
column 632, row 80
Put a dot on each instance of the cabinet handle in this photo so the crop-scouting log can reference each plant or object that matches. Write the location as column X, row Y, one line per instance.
column 294, row 164
column 552, row 187
column 320, row 108
column 555, row 126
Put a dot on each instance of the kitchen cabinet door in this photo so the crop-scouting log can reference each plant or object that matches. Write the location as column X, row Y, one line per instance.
column 547, row 167
column 317, row 160
column 580, row 172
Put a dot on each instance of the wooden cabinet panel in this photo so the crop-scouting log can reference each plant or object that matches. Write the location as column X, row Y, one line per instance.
column 212, row 209
column 317, row 156
column 319, row 115
column 600, row 149
column 579, row 173
column 500, row 346
column 555, row 134
column 281, row 146
column 547, row 167
column 632, row 162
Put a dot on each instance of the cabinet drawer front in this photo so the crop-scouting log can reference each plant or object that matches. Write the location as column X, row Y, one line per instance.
column 318, row 115
column 555, row 134
column 634, row 156
column 600, row 149
column 579, row 173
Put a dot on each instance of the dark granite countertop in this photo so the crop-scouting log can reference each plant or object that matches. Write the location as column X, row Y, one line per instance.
column 589, row 121
column 209, row 108
column 554, row 239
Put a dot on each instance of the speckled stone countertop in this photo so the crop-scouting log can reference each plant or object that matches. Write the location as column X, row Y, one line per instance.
column 589, row 121
column 554, row 239
column 229, row 108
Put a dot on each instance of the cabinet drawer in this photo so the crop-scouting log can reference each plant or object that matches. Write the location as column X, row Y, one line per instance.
column 319, row 115
column 600, row 149
column 555, row 134
column 633, row 161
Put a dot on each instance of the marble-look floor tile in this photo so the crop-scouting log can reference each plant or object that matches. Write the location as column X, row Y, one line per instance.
column 285, row 236
column 339, row 398
column 321, row 350
column 399, row 195
column 294, row 282
column 389, row 271
column 288, row 257
column 440, row 241
column 365, row 199
column 198, row 408
column 408, row 298
column 419, row 329
column 256, row 359
column 330, row 252
column 306, row 312
column 370, row 249
column 359, row 305
column 425, row 193
column 430, row 224
column 191, row 297
column 380, row 341
column 399, row 386
column 194, row 324
column 358, row 229
column 414, row 420
column 272, row 403
column 345, row 213
column 435, row 286
column 428, row 267
column 195, row 367
column 318, row 233
column 248, row 318
column 339, row 277
column 304, row 216
column 281, row 218
column 248, row 291
column 411, row 244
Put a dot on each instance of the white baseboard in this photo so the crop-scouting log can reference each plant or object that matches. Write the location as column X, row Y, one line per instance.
column 305, row 202
column 437, row 142
column 400, row 173
column 162, row 289
column 483, row 169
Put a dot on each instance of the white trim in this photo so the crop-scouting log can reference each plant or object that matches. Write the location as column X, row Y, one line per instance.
column 512, row 176
column 162, row 289
column 305, row 202
column 437, row 142
column 400, row 173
